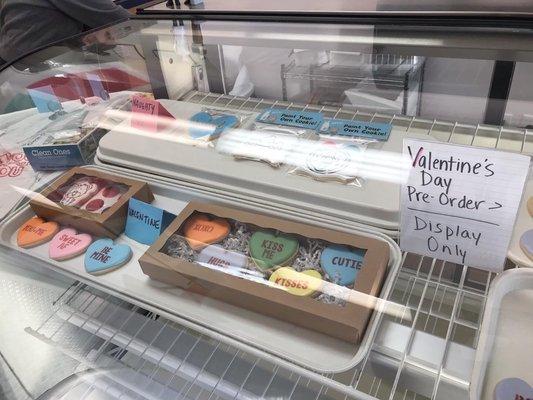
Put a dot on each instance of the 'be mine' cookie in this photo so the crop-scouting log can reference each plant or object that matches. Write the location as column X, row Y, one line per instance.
column 68, row 244
column 269, row 250
column 36, row 231
column 104, row 256
column 526, row 243
column 201, row 230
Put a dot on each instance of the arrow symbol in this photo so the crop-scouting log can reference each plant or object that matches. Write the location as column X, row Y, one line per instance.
column 498, row 205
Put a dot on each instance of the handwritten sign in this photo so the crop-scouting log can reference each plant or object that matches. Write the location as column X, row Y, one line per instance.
column 147, row 113
column 460, row 203
column 45, row 99
column 145, row 222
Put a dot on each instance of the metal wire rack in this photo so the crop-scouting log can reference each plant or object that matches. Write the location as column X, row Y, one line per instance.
column 428, row 356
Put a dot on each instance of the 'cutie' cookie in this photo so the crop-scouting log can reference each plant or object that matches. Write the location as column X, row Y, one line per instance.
column 526, row 243
column 105, row 256
column 36, row 231
column 201, row 230
column 269, row 250
column 342, row 263
column 68, row 244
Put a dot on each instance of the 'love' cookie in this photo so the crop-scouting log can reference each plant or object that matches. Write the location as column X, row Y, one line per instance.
column 200, row 230
column 220, row 257
column 36, row 231
column 67, row 244
column 526, row 243
column 342, row 263
column 303, row 283
column 269, row 250
column 104, row 256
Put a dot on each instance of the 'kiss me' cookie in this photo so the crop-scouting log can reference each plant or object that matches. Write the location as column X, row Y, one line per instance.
column 269, row 250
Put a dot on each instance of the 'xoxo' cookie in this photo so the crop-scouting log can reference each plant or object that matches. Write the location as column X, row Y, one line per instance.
column 104, row 256
column 303, row 283
column 67, row 244
column 36, row 231
column 269, row 250
column 201, row 230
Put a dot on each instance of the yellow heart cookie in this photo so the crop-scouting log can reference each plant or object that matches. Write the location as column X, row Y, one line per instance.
column 303, row 283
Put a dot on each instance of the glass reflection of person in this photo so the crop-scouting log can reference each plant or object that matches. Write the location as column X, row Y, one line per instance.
column 30, row 24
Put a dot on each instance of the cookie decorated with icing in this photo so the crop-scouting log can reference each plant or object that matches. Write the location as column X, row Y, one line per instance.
column 342, row 263
column 36, row 231
column 303, row 283
column 201, row 230
column 104, row 256
column 220, row 257
column 269, row 250
column 513, row 389
column 526, row 243
column 81, row 191
column 68, row 244
column 328, row 160
column 104, row 199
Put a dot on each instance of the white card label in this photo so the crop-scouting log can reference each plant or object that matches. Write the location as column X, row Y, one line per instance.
column 460, row 203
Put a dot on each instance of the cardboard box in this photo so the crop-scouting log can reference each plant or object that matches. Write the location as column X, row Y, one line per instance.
column 108, row 224
column 344, row 322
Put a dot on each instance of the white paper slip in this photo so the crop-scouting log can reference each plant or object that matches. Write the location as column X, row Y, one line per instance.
column 460, row 203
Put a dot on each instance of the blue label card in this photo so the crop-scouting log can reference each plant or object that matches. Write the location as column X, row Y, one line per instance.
column 349, row 128
column 45, row 99
column 145, row 222
column 300, row 119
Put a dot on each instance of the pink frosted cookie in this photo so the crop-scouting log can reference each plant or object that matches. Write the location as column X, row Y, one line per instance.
column 526, row 243
column 81, row 191
column 68, row 244
column 104, row 199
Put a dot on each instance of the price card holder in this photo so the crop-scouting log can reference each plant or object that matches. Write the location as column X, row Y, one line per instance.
column 460, row 203
column 148, row 114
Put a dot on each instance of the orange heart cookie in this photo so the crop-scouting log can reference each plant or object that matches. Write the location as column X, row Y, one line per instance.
column 201, row 230
column 36, row 231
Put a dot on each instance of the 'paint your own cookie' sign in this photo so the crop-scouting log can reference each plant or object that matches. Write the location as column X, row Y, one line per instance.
column 459, row 203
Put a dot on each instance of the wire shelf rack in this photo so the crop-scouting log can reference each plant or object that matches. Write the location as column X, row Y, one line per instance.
column 429, row 356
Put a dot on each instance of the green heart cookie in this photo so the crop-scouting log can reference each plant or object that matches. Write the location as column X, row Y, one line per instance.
column 269, row 250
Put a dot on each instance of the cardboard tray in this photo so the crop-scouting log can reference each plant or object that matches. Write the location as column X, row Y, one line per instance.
column 505, row 347
column 296, row 347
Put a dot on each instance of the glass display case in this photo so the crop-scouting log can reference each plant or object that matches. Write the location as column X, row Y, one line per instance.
column 207, row 204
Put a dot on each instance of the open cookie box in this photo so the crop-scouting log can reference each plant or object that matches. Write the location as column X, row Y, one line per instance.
column 67, row 199
column 241, row 287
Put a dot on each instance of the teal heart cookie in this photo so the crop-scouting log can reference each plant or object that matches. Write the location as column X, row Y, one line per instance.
column 269, row 250
column 342, row 263
column 104, row 256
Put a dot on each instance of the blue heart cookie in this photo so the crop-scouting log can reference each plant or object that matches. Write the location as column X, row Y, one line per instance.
column 215, row 124
column 342, row 263
column 104, row 256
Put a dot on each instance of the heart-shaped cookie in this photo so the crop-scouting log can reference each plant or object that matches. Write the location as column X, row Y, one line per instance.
column 201, row 230
column 303, row 283
column 269, row 250
column 214, row 124
column 220, row 257
column 342, row 263
column 36, row 231
column 513, row 389
column 104, row 256
column 67, row 244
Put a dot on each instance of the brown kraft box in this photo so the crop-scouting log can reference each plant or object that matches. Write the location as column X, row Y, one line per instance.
column 110, row 223
column 347, row 323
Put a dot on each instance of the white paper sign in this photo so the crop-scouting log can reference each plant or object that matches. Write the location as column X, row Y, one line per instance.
column 460, row 203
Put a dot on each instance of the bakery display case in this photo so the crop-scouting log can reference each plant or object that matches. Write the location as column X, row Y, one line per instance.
column 207, row 203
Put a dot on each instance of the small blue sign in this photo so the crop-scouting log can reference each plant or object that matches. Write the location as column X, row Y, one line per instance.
column 145, row 222
column 349, row 128
column 45, row 99
column 299, row 119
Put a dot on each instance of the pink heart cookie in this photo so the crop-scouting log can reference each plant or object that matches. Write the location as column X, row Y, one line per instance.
column 67, row 244
column 81, row 191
